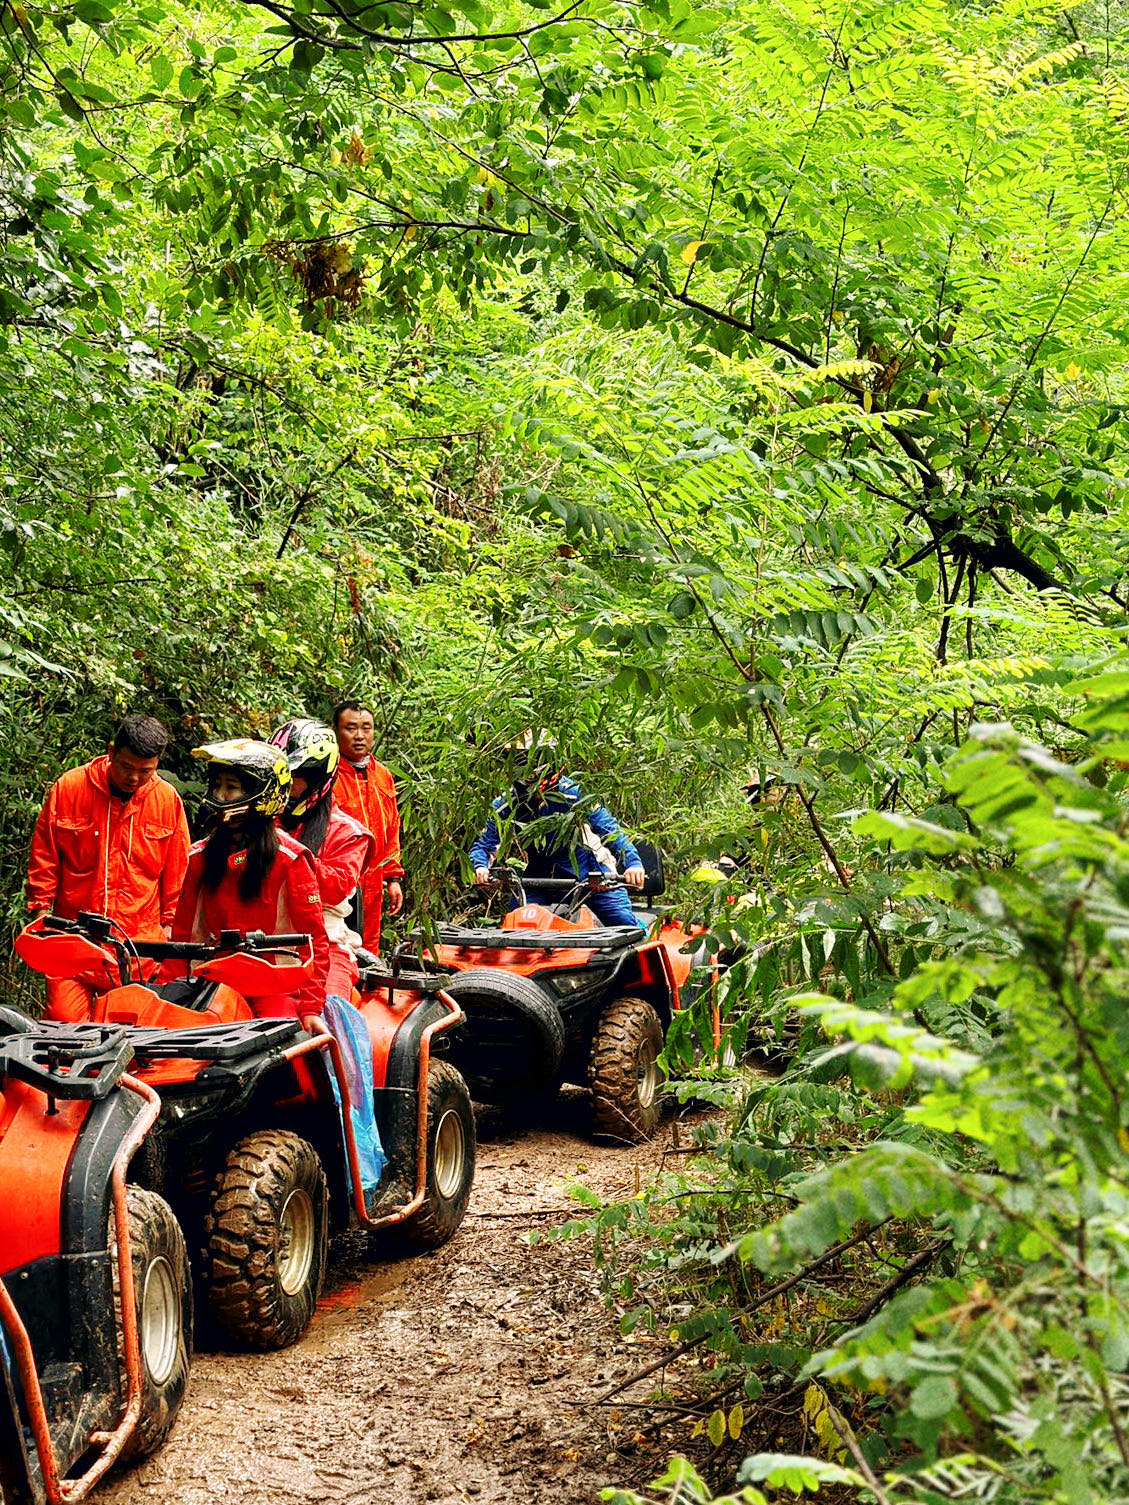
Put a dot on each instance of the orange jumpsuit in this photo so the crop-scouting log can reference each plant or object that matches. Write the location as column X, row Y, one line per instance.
column 369, row 796
column 93, row 850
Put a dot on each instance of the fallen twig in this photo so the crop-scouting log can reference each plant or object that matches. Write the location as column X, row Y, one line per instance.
column 765, row 1296
column 920, row 1261
column 842, row 1426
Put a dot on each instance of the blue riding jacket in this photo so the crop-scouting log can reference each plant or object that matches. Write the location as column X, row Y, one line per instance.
column 557, row 855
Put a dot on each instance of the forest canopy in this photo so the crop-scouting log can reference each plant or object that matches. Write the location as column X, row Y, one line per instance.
column 737, row 390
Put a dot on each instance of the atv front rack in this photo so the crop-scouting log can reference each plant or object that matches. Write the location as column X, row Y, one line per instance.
column 471, row 938
column 83, row 1061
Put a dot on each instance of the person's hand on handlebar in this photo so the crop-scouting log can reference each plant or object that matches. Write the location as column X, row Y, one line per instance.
column 634, row 877
column 482, row 878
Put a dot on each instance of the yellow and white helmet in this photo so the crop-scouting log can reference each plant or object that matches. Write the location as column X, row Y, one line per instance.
column 261, row 769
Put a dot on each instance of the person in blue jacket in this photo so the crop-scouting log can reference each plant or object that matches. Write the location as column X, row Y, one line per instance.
column 584, row 844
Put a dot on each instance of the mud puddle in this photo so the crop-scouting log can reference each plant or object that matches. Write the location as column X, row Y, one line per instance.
column 462, row 1374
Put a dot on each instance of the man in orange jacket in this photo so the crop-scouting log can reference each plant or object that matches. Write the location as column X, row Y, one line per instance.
column 111, row 837
column 366, row 792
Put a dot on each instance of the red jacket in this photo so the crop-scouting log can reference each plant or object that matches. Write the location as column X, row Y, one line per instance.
column 344, row 853
column 370, row 797
column 122, row 858
column 287, row 903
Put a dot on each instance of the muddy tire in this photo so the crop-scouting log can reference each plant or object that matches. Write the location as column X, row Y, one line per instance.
column 513, row 1040
column 450, row 1158
column 623, row 1071
column 162, row 1288
column 266, row 1240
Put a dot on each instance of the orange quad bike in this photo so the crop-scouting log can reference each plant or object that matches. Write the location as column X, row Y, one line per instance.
column 95, row 1289
column 552, row 996
column 255, row 1147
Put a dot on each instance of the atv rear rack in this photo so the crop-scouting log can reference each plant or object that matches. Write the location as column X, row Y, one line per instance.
column 222, row 1043
column 372, row 978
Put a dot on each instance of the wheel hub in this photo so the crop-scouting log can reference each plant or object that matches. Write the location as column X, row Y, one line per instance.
column 296, row 1241
column 158, row 1323
column 450, row 1154
column 647, row 1074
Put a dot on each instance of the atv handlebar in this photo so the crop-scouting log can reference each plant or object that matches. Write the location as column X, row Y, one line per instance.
column 96, row 945
column 99, row 929
column 506, row 879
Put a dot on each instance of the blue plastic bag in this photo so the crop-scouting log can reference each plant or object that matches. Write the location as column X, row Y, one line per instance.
column 348, row 1029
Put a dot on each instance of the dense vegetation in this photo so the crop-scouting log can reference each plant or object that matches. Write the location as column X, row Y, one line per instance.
column 735, row 390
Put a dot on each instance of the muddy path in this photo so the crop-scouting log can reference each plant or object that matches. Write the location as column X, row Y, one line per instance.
column 463, row 1374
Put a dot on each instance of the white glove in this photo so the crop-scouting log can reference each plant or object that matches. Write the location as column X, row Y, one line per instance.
column 481, row 876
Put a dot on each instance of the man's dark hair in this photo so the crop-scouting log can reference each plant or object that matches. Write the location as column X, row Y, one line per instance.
column 143, row 736
column 349, row 705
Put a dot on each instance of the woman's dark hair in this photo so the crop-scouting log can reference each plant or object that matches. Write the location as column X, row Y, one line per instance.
column 311, row 831
column 259, row 838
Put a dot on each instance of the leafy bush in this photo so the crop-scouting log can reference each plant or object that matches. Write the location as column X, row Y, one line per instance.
column 945, row 1191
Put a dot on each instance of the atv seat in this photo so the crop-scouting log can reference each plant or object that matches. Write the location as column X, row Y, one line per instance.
column 654, row 876
column 471, row 938
column 188, row 992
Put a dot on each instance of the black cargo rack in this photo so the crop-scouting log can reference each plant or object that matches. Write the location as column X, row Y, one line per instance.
column 606, row 938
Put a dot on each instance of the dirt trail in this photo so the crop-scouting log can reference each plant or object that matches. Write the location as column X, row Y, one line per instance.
column 451, row 1376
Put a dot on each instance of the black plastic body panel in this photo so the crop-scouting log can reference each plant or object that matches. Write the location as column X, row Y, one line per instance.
column 66, row 1303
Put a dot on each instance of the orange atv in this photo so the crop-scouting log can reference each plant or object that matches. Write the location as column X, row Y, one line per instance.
column 552, row 996
column 95, row 1290
column 251, row 1148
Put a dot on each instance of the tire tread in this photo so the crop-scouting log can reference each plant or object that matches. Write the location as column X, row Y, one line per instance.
column 244, row 1295
column 613, row 1074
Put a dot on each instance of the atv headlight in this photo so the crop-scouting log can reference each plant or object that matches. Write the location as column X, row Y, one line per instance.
column 574, row 979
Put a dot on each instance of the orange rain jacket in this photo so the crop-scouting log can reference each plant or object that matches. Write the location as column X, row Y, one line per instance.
column 122, row 858
column 369, row 796
column 287, row 904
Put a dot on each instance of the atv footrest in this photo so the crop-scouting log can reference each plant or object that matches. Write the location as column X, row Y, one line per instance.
column 469, row 938
column 215, row 1042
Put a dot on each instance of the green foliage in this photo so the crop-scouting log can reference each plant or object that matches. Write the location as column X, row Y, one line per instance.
column 739, row 392
column 984, row 1164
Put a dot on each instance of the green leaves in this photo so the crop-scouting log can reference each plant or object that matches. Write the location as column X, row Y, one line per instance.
column 884, row 1181
column 934, row 1398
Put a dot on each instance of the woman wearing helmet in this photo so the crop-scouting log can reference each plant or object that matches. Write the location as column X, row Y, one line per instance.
column 249, row 875
column 339, row 845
